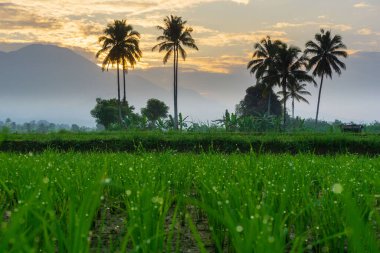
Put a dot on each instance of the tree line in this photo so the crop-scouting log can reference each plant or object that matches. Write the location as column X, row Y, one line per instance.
column 273, row 63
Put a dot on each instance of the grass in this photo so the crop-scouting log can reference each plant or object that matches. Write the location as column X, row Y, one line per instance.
column 170, row 202
column 366, row 144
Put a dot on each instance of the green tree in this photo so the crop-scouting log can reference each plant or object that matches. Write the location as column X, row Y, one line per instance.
column 130, row 50
column 155, row 110
column 325, row 53
column 254, row 102
column 289, row 67
column 263, row 59
column 106, row 112
column 120, row 45
column 175, row 36
column 297, row 92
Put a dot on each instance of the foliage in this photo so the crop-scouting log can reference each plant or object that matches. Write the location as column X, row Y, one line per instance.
column 106, row 111
column 163, row 202
column 194, row 142
column 120, row 45
column 324, row 58
column 289, row 69
column 255, row 102
column 175, row 37
column 155, row 110
column 39, row 126
column 297, row 92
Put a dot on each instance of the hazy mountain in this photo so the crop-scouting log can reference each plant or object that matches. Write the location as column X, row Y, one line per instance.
column 353, row 96
column 53, row 83
column 59, row 85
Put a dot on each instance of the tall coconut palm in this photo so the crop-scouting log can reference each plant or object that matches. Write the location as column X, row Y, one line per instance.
column 297, row 92
column 120, row 45
column 262, row 59
column 130, row 50
column 175, row 36
column 325, row 53
column 289, row 67
column 112, row 50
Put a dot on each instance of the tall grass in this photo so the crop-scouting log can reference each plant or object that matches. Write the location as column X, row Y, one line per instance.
column 169, row 202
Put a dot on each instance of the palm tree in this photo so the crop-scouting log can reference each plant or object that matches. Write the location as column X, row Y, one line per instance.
column 175, row 36
column 130, row 52
column 288, row 68
column 262, row 59
column 297, row 92
column 120, row 45
column 325, row 52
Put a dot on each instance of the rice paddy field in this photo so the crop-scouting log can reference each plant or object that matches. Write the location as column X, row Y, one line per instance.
column 188, row 202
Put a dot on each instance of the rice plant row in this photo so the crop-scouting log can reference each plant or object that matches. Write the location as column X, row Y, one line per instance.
column 168, row 202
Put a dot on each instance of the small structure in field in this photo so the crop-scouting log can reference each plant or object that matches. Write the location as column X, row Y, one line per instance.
column 351, row 128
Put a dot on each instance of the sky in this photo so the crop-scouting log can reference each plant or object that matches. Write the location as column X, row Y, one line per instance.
column 224, row 30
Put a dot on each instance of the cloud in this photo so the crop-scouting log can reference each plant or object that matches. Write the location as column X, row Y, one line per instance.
column 220, row 39
column 340, row 27
column 365, row 31
column 362, row 5
column 221, row 64
column 78, row 24
column 16, row 17
column 129, row 7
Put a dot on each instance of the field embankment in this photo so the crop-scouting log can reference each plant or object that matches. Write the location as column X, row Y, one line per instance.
column 367, row 144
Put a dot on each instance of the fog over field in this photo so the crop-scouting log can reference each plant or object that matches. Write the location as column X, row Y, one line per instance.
column 59, row 85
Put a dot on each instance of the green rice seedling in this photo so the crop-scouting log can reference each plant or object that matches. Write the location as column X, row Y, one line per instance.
column 172, row 202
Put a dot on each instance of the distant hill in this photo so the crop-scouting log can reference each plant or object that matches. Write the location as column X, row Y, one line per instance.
column 53, row 83
column 58, row 85
column 351, row 97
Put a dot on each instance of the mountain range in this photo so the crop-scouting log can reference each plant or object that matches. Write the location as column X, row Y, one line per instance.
column 59, row 85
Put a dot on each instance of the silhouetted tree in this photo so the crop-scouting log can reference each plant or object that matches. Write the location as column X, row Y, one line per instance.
column 263, row 59
column 255, row 103
column 155, row 110
column 106, row 111
column 325, row 52
column 75, row 128
column 120, row 45
column 175, row 36
column 289, row 67
column 297, row 92
column 130, row 52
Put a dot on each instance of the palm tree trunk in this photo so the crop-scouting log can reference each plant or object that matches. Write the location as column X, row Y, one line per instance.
column 118, row 93
column 269, row 101
column 293, row 107
column 284, row 92
column 175, row 90
column 319, row 100
column 124, row 70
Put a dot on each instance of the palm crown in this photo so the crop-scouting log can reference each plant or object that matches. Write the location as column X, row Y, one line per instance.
column 175, row 37
column 324, row 58
column 289, row 68
column 264, row 56
column 325, row 52
column 263, row 60
column 120, row 43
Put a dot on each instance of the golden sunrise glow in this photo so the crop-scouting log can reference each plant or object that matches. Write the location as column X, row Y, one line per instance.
column 224, row 40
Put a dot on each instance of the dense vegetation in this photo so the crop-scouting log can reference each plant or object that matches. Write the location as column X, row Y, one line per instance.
column 193, row 142
column 54, row 202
